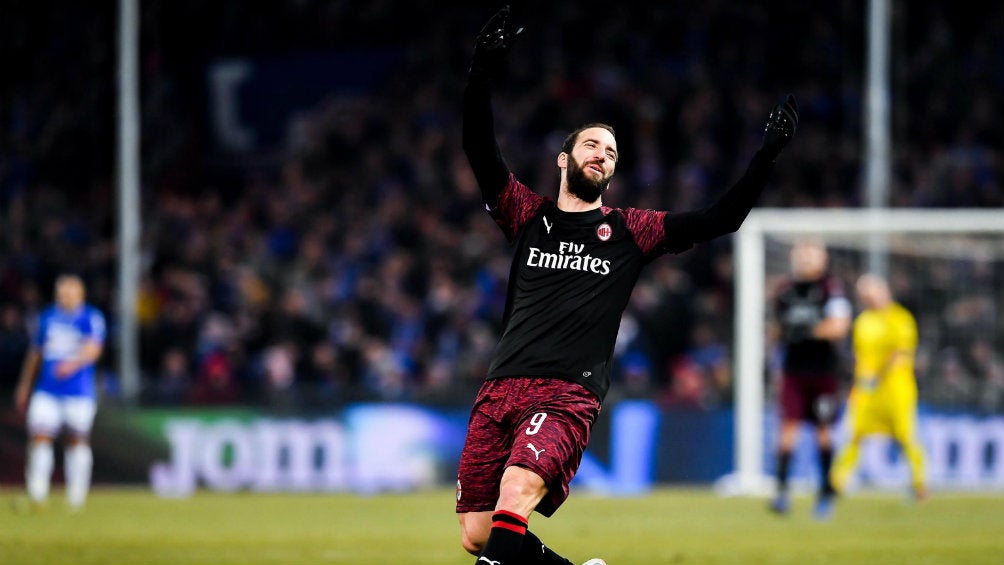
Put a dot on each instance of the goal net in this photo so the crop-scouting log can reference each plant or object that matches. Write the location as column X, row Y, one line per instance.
column 946, row 266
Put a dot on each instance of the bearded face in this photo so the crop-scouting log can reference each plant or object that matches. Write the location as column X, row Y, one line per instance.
column 585, row 186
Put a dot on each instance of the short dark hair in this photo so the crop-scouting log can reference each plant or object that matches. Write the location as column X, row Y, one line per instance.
column 566, row 146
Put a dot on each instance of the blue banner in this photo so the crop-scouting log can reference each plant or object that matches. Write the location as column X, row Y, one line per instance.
column 635, row 445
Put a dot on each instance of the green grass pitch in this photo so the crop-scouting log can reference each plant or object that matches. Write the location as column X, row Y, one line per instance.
column 672, row 526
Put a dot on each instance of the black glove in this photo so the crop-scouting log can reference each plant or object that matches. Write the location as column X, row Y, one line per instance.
column 781, row 126
column 492, row 46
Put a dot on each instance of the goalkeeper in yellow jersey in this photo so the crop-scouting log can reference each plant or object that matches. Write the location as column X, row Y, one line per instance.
column 883, row 399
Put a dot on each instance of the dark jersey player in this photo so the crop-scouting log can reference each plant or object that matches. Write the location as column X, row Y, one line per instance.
column 813, row 315
column 575, row 264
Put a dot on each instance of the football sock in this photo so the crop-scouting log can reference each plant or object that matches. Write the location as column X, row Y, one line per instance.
column 534, row 552
column 825, row 462
column 39, row 470
column 78, row 462
column 783, row 464
column 505, row 540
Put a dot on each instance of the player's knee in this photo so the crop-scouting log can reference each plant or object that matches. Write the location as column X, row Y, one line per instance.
column 473, row 537
column 78, row 439
column 472, row 544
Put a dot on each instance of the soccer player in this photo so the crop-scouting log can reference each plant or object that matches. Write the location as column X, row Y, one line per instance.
column 814, row 316
column 575, row 264
column 56, row 389
column 883, row 399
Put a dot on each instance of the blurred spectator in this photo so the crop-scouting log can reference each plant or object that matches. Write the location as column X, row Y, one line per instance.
column 327, row 376
column 278, row 379
column 215, row 382
column 948, row 384
column 173, row 381
column 635, row 378
column 710, row 354
column 687, row 388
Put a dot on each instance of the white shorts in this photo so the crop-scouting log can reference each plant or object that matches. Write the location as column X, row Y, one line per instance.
column 47, row 414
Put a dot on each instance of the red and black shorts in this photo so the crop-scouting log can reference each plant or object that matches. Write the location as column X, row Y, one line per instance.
column 810, row 397
column 541, row 424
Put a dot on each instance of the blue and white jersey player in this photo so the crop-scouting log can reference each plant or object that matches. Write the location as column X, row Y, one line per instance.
column 57, row 390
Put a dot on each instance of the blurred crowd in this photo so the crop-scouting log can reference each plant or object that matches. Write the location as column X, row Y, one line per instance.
column 352, row 259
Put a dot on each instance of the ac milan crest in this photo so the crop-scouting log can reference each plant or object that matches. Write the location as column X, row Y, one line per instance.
column 604, row 231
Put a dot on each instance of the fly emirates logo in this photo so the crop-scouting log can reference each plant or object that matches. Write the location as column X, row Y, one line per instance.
column 568, row 257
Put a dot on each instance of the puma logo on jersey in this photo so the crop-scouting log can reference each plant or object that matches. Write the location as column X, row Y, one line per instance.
column 536, row 452
column 548, row 225
column 488, row 561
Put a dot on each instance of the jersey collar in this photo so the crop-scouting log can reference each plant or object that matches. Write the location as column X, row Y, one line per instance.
column 578, row 218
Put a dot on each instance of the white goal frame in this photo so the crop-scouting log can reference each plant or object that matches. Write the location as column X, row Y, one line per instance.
column 748, row 477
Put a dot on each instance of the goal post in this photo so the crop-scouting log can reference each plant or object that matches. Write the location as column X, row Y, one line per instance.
column 872, row 228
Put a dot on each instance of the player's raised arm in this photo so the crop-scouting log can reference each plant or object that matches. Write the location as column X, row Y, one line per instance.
column 728, row 212
column 489, row 65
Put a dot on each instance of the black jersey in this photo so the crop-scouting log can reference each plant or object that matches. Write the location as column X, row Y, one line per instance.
column 800, row 306
column 571, row 277
column 573, row 273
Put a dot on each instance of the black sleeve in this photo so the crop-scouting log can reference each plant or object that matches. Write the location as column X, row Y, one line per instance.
column 479, row 142
column 684, row 229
